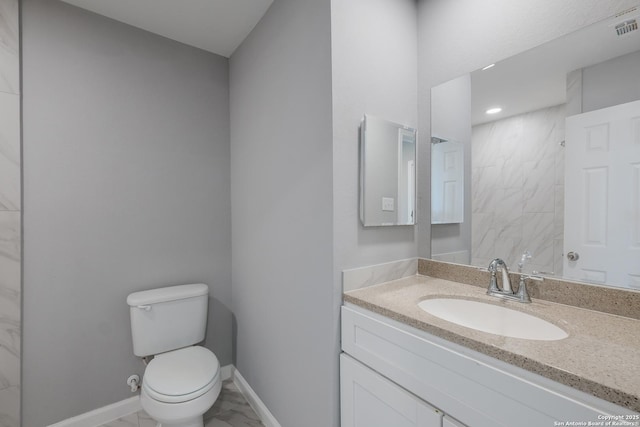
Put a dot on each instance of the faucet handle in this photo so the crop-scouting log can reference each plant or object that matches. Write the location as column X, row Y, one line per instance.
column 523, row 295
column 493, row 281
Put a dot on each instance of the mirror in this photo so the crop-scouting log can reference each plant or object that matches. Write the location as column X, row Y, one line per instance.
column 387, row 173
column 554, row 157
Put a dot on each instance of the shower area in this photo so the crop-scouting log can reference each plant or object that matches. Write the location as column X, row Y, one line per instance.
column 10, row 209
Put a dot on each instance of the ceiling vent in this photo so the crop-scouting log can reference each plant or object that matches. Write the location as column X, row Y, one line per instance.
column 626, row 27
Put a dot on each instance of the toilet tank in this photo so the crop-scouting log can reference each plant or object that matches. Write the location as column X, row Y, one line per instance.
column 166, row 319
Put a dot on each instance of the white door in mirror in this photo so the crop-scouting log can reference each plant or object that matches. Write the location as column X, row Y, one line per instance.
column 602, row 196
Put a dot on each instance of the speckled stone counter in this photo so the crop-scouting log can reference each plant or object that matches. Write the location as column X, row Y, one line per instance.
column 601, row 355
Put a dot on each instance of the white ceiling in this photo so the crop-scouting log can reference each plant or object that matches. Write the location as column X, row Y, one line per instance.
column 218, row 26
column 537, row 78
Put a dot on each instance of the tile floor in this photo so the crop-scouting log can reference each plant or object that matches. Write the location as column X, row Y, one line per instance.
column 230, row 410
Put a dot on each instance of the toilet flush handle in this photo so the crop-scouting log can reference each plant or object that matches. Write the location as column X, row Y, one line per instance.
column 144, row 307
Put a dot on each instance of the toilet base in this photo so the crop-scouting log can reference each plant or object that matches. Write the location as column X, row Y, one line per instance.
column 184, row 414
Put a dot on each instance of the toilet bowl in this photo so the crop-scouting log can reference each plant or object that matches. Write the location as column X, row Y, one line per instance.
column 182, row 381
column 179, row 386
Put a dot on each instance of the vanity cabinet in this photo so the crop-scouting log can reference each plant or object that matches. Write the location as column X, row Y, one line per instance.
column 391, row 369
column 370, row 400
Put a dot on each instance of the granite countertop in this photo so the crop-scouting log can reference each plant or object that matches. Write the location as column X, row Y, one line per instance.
column 601, row 355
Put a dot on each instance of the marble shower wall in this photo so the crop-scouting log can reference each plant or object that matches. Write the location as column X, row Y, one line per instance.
column 518, row 190
column 10, row 253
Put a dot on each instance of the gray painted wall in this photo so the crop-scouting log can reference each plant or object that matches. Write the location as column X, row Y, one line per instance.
column 126, row 187
column 611, row 83
column 489, row 32
column 281, row 186
column 374, row 72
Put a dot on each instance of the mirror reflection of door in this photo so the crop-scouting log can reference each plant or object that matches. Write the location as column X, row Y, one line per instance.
column 602, row 196
column 447, row 181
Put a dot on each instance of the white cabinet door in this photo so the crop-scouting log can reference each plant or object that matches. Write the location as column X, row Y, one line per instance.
column 370, row 400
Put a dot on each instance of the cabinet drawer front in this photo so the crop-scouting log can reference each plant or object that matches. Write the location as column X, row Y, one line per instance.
column 470, row 390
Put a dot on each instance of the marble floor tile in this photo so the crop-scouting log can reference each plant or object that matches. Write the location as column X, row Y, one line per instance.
column 130, row 420
column 230, row 410
column 144, row 420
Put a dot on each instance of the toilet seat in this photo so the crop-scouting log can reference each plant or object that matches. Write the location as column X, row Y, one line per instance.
column 181, row 375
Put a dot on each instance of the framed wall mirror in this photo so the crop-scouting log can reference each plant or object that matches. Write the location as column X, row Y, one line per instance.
column 554, row 147
column 387, row 173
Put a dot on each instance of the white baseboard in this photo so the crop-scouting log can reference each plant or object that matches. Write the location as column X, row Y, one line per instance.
column 254, row 401
column 226, row 372
column 112, row 412
column 103, row 415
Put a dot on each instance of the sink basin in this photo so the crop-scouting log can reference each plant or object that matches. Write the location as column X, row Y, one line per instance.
column 493, row 319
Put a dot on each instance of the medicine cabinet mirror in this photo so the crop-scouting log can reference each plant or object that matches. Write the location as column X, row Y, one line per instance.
column 387, row 173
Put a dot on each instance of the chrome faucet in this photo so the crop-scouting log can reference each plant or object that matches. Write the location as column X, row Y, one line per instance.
column 506, row 291
column 493, row 284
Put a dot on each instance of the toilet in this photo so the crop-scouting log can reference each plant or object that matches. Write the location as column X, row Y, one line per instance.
column 182, row 381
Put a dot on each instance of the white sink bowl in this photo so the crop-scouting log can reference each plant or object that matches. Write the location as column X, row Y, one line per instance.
column 493, row 319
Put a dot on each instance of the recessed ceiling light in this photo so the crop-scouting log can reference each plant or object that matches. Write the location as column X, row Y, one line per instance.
column 488, row 66
column 494, row 110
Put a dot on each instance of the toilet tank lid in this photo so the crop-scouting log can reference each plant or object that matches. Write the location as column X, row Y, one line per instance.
column 170, row 293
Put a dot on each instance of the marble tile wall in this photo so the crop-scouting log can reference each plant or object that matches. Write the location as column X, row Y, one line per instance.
column 363, row 277
column 518, row 190
column 10, row 229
